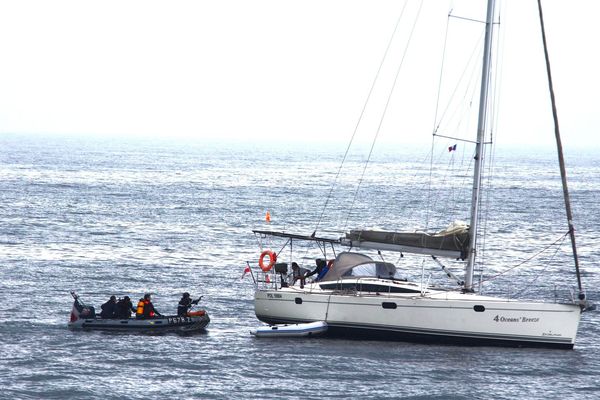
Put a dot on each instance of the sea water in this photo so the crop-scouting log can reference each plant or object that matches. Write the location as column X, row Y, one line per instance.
column 126, row 217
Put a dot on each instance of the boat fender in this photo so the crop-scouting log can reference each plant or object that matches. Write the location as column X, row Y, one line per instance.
column 272, row 260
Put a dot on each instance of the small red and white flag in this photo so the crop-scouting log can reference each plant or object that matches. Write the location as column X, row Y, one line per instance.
column 246, row 270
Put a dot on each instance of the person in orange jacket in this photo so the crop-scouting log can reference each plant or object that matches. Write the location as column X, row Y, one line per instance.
column 145, row 308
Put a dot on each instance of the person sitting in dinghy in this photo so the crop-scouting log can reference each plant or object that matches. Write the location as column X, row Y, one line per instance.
column 145, row 308
column 185, row 304
column 124, row 308
column 109, row 308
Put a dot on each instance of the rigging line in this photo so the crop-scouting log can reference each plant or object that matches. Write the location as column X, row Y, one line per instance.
column 360, row 117
column 433, row 209
column 448, row 172
column 455, row 138
column 433, row 203
column 461, row 192
column 437, row 106
column 419, row 187
column 485, row 217
column 528, row 259
column 528, row 286
column 460, row 80
column 437, row 103
column 458, row 112
column 429, row 185
column 466, row 19
column 384, row 111
column 457, row 190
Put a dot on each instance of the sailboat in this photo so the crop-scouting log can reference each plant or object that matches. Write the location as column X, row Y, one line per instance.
column 360, row 297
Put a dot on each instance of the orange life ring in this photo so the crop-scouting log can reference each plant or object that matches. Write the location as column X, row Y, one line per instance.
column 272, row 260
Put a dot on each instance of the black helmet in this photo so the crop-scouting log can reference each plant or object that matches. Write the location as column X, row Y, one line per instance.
column 147, row 296
column 186, row 294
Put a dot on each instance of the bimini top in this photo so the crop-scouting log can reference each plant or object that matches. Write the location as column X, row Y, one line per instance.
column 451, row 242
column 354, row 264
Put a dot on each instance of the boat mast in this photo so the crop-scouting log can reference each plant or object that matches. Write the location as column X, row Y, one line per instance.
column 483, row 103
column 561, row 160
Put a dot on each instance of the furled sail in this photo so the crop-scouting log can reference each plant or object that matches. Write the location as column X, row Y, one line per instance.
column 450, row 242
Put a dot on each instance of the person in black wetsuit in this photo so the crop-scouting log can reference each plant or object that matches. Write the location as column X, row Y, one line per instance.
column 185, row 304
column 124, row 308
column 109, row 308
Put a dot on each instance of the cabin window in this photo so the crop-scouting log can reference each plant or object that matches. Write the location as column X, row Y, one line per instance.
column 389, row 305
column 367, row 287
column 479, row 308
column 298, row 300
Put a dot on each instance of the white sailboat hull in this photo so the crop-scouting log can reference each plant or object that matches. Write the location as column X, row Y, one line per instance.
column 440, row 317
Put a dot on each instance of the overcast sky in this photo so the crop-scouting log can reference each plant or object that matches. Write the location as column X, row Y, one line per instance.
column 267, row 70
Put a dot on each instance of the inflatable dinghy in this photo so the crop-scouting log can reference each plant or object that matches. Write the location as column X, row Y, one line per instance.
column 292, row 330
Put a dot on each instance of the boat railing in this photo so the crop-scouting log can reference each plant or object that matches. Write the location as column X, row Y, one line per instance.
column 558, row 293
